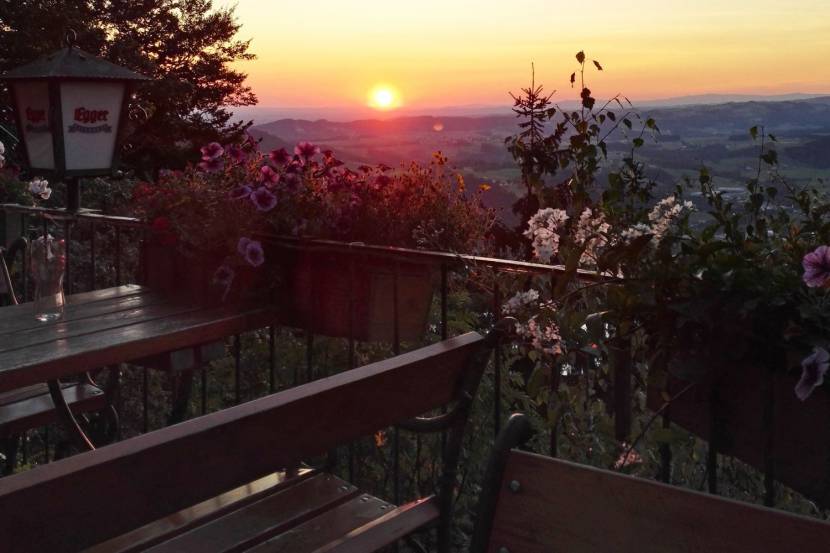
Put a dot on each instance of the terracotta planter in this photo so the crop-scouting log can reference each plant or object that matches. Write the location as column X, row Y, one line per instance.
column 190, row 278
column 324, row 288
column 800, row 431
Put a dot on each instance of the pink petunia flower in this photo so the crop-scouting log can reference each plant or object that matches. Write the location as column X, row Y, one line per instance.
column 817, row 267
column 263, row 199
column 254, row 254
column 279, row 157
column 306, row 150
column 212, row 151
column 236, row 153
column 268, row 176
column 240, row 192
column 382, row 180
column 813, row 369
column 213, row 165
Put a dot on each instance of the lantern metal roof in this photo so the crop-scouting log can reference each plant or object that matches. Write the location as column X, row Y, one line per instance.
column 72, row 63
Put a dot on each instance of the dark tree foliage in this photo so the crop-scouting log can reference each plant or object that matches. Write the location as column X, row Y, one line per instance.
column 186, row 47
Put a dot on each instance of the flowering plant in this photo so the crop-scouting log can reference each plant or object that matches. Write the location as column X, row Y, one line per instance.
column 689, row 286
column 236, row 194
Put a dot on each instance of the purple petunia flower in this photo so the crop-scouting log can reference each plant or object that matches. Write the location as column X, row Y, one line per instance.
column 240, row 192
column 212, row 165
column 814, row 367
column 242, row 245
column 280, row 157
column 212, row 151
column 254, row 254
column 306, row 150
column 263, row 199
column 268, row 176
column 817, row 267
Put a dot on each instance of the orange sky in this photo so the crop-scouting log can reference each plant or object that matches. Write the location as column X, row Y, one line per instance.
column 456, row 52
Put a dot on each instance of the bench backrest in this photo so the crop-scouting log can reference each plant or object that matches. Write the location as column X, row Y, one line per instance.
column 86, row 499
column 546, row 504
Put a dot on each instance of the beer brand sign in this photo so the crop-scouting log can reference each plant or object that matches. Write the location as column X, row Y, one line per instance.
column 84, row 117
column 35, row 120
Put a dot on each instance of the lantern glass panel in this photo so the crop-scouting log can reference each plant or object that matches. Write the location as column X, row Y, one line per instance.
column 33, row 106
column 90, row 112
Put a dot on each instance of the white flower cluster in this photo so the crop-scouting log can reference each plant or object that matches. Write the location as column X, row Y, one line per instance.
column 591, row 231
column 40, row 187
column 660, row 218
column 545, row 338
column 520, row 300
column 543, row 230
column 2, row 153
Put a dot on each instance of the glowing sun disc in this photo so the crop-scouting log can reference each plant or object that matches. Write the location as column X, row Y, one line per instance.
column 383, row 97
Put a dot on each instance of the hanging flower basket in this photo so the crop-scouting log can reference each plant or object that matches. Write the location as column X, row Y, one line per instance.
column 733, row 400
column 344, row 295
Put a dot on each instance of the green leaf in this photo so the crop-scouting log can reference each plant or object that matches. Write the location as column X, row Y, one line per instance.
column 627, row 122
column 573, row 79
column 580, row 56
column 597, row 65
column 753, row 132
column 650, row 123
column 638, row 142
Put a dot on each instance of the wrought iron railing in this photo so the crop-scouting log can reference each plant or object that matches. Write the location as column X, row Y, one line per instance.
column 124, row 232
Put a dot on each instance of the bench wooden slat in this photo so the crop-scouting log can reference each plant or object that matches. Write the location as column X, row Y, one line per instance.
column 387, row 529
column 562, row 506
column 157, row 471
column 329, row 526
column 39, row 409
column 186, row 519
column 263, row 519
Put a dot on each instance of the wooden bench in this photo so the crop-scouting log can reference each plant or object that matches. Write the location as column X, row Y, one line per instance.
column 213, row 483
column 535, row 504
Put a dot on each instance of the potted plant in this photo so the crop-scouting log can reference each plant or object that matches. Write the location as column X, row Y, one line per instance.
column 270, row 213
column 722, row 301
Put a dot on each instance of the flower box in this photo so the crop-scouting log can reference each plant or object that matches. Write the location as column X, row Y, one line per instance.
column 323, row 293
column 800, row 433
column 190, row 278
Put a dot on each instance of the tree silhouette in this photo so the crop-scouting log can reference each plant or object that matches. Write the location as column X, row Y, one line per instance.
column 185, row 46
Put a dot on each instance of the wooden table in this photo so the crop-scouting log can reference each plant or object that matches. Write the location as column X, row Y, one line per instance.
column 107, row 327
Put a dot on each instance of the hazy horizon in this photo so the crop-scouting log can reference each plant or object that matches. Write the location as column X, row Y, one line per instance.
column 261, row 114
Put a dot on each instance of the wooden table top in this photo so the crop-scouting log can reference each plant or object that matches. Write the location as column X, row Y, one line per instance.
column 113, row 325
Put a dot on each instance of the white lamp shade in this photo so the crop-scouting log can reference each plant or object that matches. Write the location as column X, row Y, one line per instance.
column 90, row 111
column 34, row 109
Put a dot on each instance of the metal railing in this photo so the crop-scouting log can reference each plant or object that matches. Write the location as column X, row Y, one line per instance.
column 448, row 266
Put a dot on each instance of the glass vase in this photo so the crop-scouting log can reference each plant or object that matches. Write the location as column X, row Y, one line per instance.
column 48, row 262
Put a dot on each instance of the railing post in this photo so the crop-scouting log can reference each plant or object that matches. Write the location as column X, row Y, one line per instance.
column 621, row 359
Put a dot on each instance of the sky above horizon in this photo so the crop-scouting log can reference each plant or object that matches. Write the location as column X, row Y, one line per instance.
column 436, row 53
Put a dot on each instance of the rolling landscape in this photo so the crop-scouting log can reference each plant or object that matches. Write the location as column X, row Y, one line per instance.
column 714, row 135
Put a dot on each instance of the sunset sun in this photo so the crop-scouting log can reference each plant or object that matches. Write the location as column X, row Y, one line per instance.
column 384, row 97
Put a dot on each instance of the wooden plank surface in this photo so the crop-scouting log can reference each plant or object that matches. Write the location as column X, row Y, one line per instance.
column 259, row 521
column 127, row 484
column 562, row 506
column 17, row 317
column 332, row 525
column 61, row 349
column 159, row 530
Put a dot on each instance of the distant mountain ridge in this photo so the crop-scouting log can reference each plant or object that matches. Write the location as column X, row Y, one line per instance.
column 799, row 115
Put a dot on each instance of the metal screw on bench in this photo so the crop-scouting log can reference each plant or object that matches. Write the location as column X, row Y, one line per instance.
column 515, row 486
